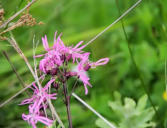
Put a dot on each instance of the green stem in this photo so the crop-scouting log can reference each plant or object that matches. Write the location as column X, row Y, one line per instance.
column 135, row 65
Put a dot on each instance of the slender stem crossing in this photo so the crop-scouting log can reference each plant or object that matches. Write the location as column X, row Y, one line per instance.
column 134, row 63
column 93, row 110
column 18, row 13
column 117, row 20
column 14, row 44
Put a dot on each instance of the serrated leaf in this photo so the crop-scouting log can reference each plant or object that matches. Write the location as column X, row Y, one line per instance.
column 130, row 115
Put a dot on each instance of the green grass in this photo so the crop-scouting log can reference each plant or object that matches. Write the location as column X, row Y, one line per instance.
column 146, row 27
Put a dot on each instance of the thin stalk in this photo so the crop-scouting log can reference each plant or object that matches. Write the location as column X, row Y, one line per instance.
column 14, row 96
column 117, row 20
column 18, row 93
column 13, row 42
column 36, row 74
column 65, row 90
column 135, row 65
column 15, row 71
column 67, row 102
column 53, row 111
column 16, row 14
column 73, row 89
column 93, row 110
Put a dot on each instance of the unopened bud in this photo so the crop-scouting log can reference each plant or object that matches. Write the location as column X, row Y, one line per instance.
column 69, row 57
column 63, row 57
column 56, row 85
column 53, row 71
column 87, row 67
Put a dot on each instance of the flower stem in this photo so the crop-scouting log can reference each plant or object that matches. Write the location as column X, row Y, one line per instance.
column 67, row 102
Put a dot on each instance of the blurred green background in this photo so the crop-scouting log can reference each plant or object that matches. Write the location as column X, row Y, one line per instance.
column 81, row 20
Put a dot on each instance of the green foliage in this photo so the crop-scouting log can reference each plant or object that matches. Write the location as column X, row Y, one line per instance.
column 130, row 114
column 146, row 27
column 101, row 124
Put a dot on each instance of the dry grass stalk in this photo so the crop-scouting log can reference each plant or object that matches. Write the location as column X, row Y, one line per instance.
column 18, row 13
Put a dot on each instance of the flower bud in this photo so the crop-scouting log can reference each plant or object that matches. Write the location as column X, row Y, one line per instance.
column 87, row 67
column 53, row 71
column 56, row 85
column 63, row 58
column 69, row 57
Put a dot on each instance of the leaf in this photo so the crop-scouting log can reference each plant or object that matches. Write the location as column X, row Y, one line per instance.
column 129, row 103
column 142, row 102
column 101, row 124
column 130, row 115
column 117, row 96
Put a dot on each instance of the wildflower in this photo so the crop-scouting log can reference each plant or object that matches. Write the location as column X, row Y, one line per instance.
column 32, row 119
column 38, row 102
column 56, row 56
column 55, row 63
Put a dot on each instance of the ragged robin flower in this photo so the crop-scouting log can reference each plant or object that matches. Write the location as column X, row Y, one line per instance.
column 55, row 64
column 58, row 55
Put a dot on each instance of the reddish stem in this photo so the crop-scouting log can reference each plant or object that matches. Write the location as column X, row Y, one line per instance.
column 67, row 102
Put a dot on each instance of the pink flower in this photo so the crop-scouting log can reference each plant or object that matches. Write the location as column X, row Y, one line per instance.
column 33, row 119
column 38, row 102
column 56, row 62
column 51, row 60
column 59, row 54
column 37, row 95
column 82, row 73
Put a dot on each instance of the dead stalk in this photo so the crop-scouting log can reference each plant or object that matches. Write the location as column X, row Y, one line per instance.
column 16, row 14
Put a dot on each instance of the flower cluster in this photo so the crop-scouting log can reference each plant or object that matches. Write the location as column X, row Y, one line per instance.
column 59, row 54
column 55, row 63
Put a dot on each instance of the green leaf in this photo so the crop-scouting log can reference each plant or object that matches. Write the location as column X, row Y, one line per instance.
column 101, row 124
column 142, row 102
column 130, row 115
column 129, row 103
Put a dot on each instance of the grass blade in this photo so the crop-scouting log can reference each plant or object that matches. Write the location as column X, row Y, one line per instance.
column 134, row 63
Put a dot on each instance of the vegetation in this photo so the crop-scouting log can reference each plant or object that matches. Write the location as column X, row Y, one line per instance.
column 136, row 68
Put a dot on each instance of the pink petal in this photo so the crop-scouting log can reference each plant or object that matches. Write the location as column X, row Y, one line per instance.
column 86, row 89
column 44, row 120
column 26, row 101
column 78, row 44
column 45, row 43
column 48, row 84
column 100, row 62
column 37, row 56
column 55, row 41
column 79, row 49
